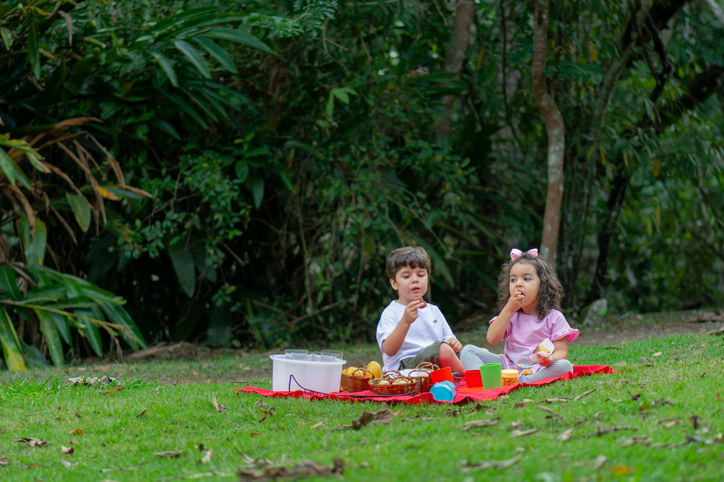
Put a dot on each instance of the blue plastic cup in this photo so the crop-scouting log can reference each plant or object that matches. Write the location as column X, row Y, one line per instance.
column 443, row 391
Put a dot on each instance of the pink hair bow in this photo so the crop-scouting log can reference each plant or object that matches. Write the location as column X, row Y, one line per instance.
column 516, row 253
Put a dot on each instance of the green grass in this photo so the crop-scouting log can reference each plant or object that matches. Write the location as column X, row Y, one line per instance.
column 424, row 442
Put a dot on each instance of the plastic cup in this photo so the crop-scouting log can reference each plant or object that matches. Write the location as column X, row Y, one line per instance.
column 491, row 375
column 472, row 378
column 331, row 355
column 296, row 354
column 443, row 391
column 441, row 375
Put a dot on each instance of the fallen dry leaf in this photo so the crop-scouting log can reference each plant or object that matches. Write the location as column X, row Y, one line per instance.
column 4, row 461
column 77, row 432
column 113, row 390
column 219, row 407
column 106, row 380
column 496, row 464
column 317, row 425
column 481, row 423
column 636, row 440
column 83, row 380
column 399, row 412
column 382, row 417
column 66, row 463
column 584, row 394
column 304, row 468
column 622, row 470
column 523, row 433
column 718, row 398
column 670, row 422
column 658, row 353
column 255, row 434
column 32, row 442
column 173, row 454
column 515, row 425
column 600, row 461
column 90, row 381
column 67, row 450
column 142, row 412
column 565, row 436
column 552, row 412
column 207, row 456
column 555, row 400
column 601, row 431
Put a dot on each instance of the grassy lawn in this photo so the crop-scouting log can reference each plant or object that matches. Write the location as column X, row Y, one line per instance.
column 659, row 418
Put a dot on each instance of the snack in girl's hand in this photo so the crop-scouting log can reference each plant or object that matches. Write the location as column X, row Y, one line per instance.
column 545, row 347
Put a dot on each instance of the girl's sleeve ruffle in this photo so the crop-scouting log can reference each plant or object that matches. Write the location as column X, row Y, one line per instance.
column 569, row 332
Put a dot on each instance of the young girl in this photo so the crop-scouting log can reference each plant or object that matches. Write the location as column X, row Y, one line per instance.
column 530, row 296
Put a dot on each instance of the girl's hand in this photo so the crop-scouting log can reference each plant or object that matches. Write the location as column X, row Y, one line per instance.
column 411, row 313
column 455, row 344
column 515, row 302
column 544, row 360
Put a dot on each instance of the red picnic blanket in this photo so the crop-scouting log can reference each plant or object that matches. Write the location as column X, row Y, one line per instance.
column 463, row 395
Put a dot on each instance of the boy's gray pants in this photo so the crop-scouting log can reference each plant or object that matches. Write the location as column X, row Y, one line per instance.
column 473, row 356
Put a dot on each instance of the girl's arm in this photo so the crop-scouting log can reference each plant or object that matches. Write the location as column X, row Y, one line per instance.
column 560, row 352
column 496, row 331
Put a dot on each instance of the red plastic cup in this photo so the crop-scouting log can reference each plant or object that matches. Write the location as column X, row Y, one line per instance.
column 472, row 377
column 441, row 375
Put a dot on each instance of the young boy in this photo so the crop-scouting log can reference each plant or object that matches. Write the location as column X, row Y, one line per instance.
column 411, row 331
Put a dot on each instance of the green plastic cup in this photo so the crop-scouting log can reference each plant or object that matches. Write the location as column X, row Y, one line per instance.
column 492, row 375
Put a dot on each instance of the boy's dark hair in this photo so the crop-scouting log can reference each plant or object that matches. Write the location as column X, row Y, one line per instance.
column 412, row 256
column 551, row 291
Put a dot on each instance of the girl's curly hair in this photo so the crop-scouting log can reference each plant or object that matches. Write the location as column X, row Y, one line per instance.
column 550, row 293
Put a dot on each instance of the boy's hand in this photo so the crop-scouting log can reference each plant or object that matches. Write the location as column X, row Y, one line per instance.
column 515, row 302
column 411, row 313
column 455, row 344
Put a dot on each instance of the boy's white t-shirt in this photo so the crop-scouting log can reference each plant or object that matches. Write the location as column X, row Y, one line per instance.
column 429, row 327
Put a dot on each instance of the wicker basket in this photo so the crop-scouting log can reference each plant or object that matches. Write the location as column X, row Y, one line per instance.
column 411, row 385
column 356, row 384
column 422, row 372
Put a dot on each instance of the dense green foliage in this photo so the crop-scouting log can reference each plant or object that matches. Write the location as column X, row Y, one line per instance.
column 247, row 165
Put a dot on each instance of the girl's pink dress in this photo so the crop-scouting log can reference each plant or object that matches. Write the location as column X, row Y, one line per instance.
column 526, row 332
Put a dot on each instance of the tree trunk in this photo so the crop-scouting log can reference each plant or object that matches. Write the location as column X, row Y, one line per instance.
column 703, row 85
column 556, row 133
column 643, row 26
column 464, row 15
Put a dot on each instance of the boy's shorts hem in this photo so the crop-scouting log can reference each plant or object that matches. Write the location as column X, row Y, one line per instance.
column 430, row 354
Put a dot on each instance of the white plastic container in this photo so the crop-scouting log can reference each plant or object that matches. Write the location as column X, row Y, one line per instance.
column 319, row 376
